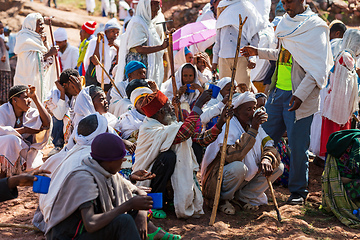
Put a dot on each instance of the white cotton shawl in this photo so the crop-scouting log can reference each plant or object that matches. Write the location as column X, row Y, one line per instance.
column 167, row 88
column 30, row 49
column 31, row 119
column 84, row 106
column 251, row 160
column 130, row 122
column 230, row 17
column 64, row 162
column 155, row 138
column 141, row 29
column 308, row 32
column 179, row 59
column 342, row 99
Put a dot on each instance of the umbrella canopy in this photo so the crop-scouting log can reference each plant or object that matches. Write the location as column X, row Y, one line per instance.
column 193, row 33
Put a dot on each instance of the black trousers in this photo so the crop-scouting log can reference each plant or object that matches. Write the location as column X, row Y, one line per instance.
column 163, row 167
column 121, row 227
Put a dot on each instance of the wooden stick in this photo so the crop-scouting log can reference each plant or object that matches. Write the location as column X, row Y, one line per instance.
column 103, row 61
column 24, row 226
column 53, row 43
column 224, row 146
column 178, row 110
column 274, row 199
column 107, row 74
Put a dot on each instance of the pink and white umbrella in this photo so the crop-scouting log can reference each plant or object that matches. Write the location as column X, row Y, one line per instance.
column 193, row 33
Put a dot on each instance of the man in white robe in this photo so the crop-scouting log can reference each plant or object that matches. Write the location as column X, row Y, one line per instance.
column 164, row 148
column 24, row 131
column 67, row 55
column 227, row 26
column 107, row 41
column 60, row 104
column 131, row 121
column 34, row 57
column 214, row 107
column 249, row 151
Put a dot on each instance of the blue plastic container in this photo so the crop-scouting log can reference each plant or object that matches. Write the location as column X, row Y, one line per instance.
column 157, row 199
column 41, row 185
column 215, row 90
column 188, row 90
column 357, row 213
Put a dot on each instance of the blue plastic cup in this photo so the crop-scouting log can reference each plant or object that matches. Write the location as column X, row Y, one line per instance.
column 157, row 200
column 41, row 185
column 215, row 90
column 188, row 90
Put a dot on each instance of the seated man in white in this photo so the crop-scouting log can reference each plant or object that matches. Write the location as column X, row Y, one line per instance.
column 250, row 159
column 24, row 131
column 60, row 104
column 214, row 107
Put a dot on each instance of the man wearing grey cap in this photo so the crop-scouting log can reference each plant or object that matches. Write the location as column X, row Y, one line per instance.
column 109, row 56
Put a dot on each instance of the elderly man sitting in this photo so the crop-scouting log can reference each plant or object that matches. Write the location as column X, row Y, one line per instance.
column 164, row 148
column 249, row 152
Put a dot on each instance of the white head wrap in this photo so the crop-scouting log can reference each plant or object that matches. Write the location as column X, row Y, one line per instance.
column 101, row 128
column 224, row 81
column 60, row 35
column 30, row 21
column 112, row 23
column 243, row 98
column 139, row 92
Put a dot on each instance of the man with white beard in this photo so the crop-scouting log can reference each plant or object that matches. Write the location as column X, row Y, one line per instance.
column 164, row 148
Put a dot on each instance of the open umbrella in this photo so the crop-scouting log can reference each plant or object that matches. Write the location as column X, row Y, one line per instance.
column 193, row 33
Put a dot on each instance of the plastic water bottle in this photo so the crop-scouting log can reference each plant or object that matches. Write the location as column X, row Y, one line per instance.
column 357, row 213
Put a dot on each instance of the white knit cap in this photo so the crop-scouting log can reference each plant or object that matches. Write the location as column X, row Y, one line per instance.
column 112, row 23
column 243, row 98
column 60, row 35
column 224, row 81
column 139, row 92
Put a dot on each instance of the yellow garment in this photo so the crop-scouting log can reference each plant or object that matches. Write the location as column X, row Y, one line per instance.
column 284, row 70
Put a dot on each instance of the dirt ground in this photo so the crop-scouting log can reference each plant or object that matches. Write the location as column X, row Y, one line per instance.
column 299, row 222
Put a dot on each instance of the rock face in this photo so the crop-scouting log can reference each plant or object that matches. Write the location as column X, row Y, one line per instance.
column 13, row 13
column 183, row 13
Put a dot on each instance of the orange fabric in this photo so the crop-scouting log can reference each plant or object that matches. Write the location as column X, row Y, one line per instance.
column 153, row 103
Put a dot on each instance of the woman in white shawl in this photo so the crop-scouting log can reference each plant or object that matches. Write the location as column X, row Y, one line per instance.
column 23, row 131
column 341, row 99
column 141, row 42
column 188, row 85
column 34, row 64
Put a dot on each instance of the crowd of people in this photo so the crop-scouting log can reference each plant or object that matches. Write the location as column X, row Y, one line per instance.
column 120, row 129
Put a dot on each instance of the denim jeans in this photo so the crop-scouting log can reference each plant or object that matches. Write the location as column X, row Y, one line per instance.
column 57, row 133
column 298, row 131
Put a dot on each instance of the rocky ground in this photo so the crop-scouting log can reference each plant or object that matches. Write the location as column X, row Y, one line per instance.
column 299, row 222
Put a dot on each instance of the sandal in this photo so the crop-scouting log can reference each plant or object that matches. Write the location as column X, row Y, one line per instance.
column 158, row 213
column 244, row 205
column 227, row 208
column 167, row 236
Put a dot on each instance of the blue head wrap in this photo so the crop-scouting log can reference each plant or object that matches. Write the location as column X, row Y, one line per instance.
column 186, row 50
column 112, row 23
column 279, row 10
column 133, row 66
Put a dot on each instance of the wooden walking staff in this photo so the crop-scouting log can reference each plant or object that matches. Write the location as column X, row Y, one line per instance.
column 53, row 43
column 108, row 75
column 103, row 61
column 224, row 146
column 178, row 110
column 274, row 199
